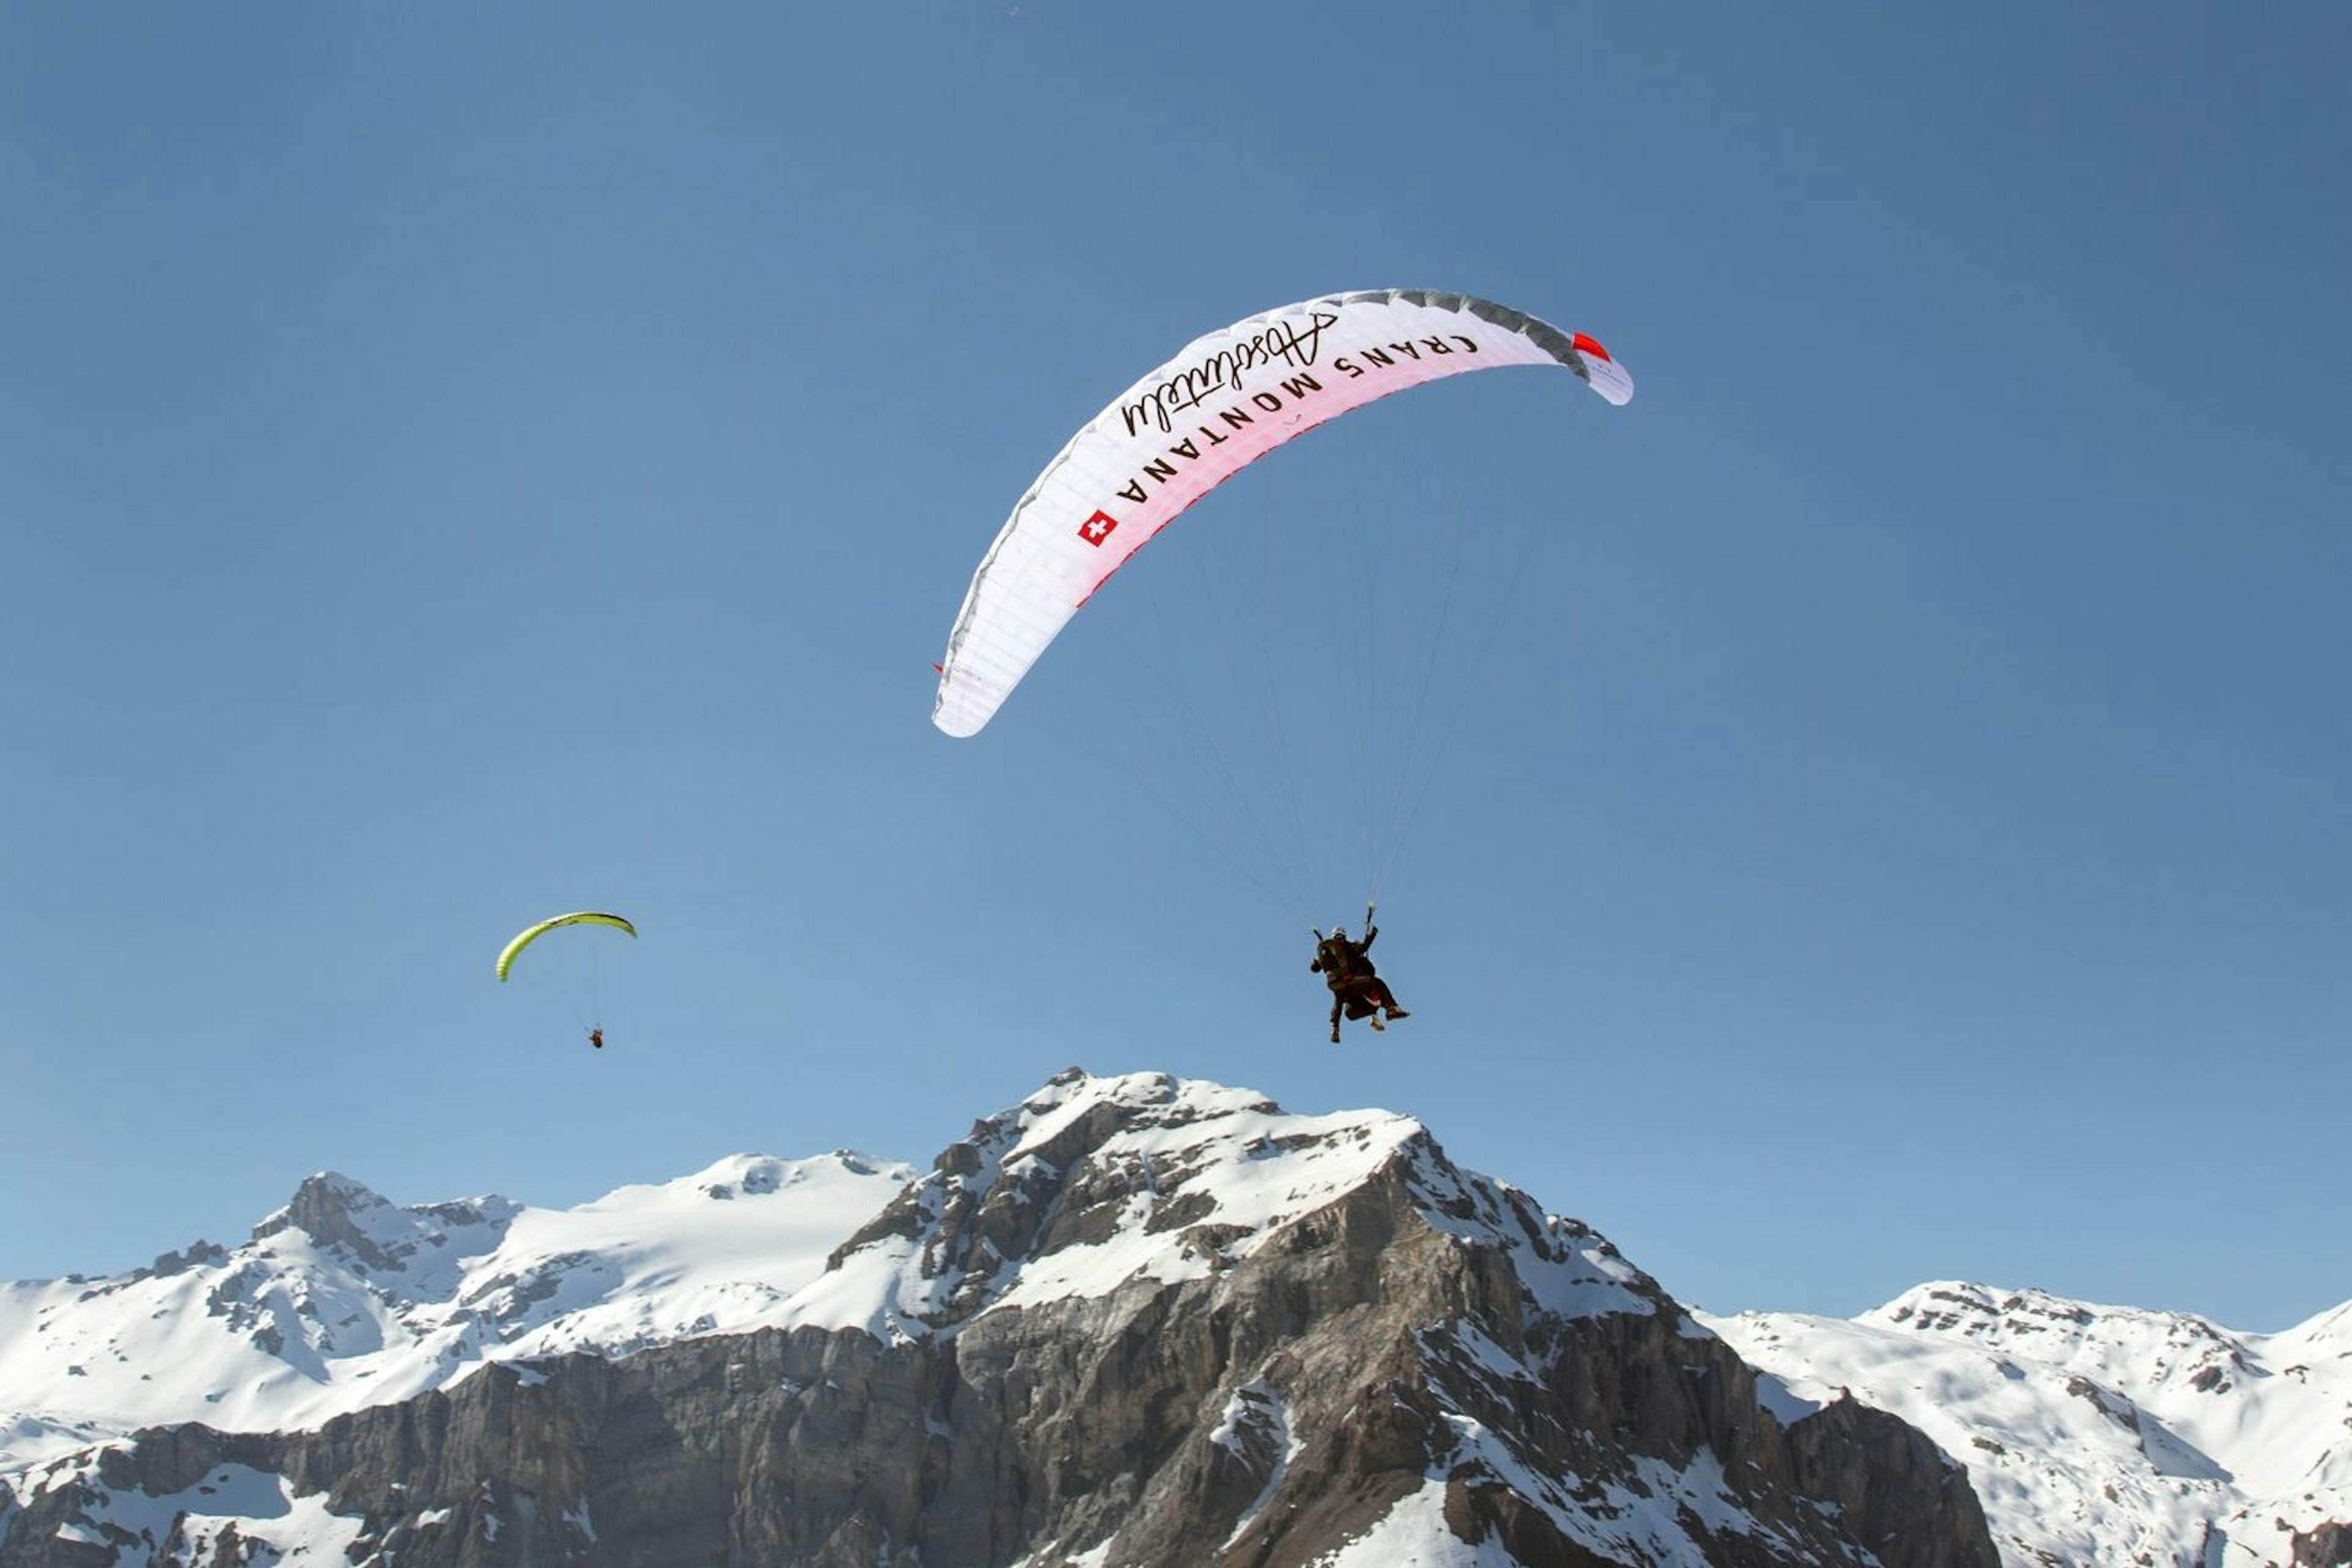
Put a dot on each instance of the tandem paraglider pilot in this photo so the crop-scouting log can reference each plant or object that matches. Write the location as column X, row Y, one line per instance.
column 1357, row 989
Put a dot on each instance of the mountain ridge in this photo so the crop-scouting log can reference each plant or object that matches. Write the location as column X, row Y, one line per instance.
column 2098, row 1432
column 1132, row 1319
column 1138, row 1302
column 342, row 1299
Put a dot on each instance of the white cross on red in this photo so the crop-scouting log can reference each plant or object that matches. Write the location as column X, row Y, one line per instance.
column 1097, row 529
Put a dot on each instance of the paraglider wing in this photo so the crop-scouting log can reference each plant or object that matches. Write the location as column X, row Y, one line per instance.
column 1221, row 402
column 532, row 934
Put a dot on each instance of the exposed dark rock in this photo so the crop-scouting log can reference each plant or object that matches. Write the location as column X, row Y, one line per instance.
column 170, row 1263
column 322, row 1209
column 2324, row 1546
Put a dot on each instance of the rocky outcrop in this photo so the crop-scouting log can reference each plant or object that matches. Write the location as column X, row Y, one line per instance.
column 1886, row 1476
column 1087, row 1333
column 325, row 1207
column 2325, row 1546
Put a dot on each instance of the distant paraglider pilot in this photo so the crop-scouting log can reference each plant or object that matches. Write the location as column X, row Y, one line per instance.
column 531, row 933
column 1357, row 989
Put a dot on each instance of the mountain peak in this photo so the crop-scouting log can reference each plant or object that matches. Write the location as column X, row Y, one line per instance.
column 334, row 1187
column 333, row 1210
column 1091, row 1184
column 1074, row 1097
column 2094, row 1337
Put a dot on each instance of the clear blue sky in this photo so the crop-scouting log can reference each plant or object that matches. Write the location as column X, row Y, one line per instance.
column 461, row 464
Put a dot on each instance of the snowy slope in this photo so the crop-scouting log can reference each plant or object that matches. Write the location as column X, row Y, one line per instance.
column 343, row 1299
column 232, row 1509
column 2096, row 1433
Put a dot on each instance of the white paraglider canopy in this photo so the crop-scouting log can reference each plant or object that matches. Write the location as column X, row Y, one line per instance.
column 1222, row 402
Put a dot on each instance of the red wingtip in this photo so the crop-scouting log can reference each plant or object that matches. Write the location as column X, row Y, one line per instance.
column 940, row 668
column 1585, row 345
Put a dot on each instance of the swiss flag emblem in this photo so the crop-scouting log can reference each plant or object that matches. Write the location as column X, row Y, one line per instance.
column 1097, row 529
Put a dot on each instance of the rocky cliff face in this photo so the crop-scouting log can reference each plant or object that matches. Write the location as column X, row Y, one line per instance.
column 2326, row 1546
column 1131, row 1322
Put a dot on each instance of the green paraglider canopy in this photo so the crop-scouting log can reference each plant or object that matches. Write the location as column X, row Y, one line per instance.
column 532, row 934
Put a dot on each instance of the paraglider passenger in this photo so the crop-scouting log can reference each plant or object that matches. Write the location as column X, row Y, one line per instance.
column 1357, row 989
column 597, row 1039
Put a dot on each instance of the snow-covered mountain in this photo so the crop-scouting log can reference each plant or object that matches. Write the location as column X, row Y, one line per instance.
column 2097, row 1435
column 341, row 1299
column 1132, row 1320
column 1136, row 1311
